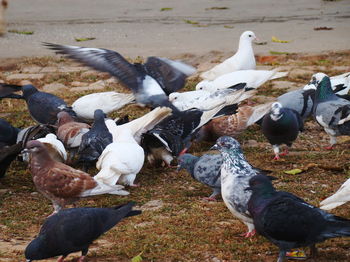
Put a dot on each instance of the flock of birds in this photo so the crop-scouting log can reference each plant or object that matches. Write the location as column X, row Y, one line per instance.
column 82, row 135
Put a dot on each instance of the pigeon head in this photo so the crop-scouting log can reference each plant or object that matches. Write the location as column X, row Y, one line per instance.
column 248, row 36
column 63, row 118
column 186, row 161
column 173, row 96
column 37, row 249
column 203, row 85
column 260, row 182
column 28, row 90
column 225, row 143
column 276, row 112
column 99, row 114
column 323, row 85
column 34, row 146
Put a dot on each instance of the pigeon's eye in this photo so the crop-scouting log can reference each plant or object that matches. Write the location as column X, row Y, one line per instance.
column 175, row 98
column 250, row 35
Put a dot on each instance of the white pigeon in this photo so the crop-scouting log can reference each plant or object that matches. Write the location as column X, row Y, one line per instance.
column 243, row 59
column 58, row 151
column 121, row 160
column 253, row 79
column 108, row 102
column 205, row 100
column 339, row 198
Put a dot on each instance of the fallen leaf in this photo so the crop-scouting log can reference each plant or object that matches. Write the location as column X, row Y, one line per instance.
column 217, row 8
column 84, row 39
column 260, row 43
column 138, row 258
column 278, row 53
column 323, row 28
column 293, row 171
column 229, row 26
column 166, row 9
column 21, row 32
column 191, row 22
column 276, row 40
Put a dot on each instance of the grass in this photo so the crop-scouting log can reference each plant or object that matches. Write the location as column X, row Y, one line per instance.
column 184, row 228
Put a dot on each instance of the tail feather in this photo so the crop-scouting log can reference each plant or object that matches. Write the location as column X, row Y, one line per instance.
column 278, row 75
column 337, row 227
column 258, row 112
column 101, row 189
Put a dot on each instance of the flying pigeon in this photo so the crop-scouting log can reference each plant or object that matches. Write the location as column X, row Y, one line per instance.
column 235, row 175
column 72, row 230
column 55, row 147
column 233, row 124
column 330, row 111
column 205, row 169
column 288, row 221
column 281, row 126
column 60, row 183
column 172, row 136
column 338, row 198
column 94, row 141
column 7, row 91
column 150, row 82
column 108, row 102
column 69, row 131
column 243, row 59
column 252, row 78
column 44, row 107
column 121, row 160
column 204, row 100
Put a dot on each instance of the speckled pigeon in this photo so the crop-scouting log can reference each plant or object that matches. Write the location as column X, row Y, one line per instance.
column 72, row 230
column 205, row 169
column 288, row 221
column 281, row 126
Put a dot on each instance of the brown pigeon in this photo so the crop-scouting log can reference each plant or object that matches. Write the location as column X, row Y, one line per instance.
column 233, row 125
column 60, row 183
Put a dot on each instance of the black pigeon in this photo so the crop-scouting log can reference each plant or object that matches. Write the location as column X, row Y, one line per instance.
column 94, row 141
column 281, row 126
column 7, row 90
column 44, row 107
column 72, row 230
column 288, row 221
column 150, row 82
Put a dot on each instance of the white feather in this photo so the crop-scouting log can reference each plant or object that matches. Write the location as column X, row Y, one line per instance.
column 339, row 198
column 57, row 144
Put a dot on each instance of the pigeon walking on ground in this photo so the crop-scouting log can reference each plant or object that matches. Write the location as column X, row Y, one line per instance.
column 72, row 230
column 108, row 102
column 150, row 82
column 60, row 183
column 330, row 111
column 288, row 221
column 235, row 175
column 281, row 126
column 338, row 198
column 94, row 141
column 243, row 59
column 252, row 78
column 44, row 107
column 205, row 169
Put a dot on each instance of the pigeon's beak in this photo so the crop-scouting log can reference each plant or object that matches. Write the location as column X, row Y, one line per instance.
column 214, row 147
column 248, row 189
column 257, row 39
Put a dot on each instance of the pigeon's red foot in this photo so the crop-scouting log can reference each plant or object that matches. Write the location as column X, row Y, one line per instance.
column 249, row 234
column 135, row 185
column 209, row 198
column 277, row 157
column 328, row 147
column 285, row 152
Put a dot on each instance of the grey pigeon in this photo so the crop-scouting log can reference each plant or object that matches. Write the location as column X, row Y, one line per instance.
column 330, row 111
column 72, row 230
column 205, row 169
column 288, row 221
column 150, row 82
column 281, row 126
column 235, row 175
column 94, row 141
column 7, row 91
column 44, row 107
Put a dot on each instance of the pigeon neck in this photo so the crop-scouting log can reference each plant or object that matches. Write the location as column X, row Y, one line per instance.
column 324, row 91
column 40, row 160
column 259, row 199
column 99, row 122
column 234, row 159
column 245, row 45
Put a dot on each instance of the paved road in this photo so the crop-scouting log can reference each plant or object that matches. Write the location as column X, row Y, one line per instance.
column 139, row 27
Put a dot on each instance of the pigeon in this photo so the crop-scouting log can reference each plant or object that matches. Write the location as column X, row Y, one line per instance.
column 243, row 59
column 94, row 141
column 8, row 148
column 108, row 102
column 69, row 131
column 60, row 183
column 121, row 160
column 233, row 124
column 205, row 169
column 281, row 126
column 330, row 111
column 7, row 90
column 338, row 198
column 150, row 82
column 253, row 79
column 55, row 147
column 288, row 221
column 44, row 107
column 72, row 230
column 172, row 136
column 204, row 100
column 235, row 175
